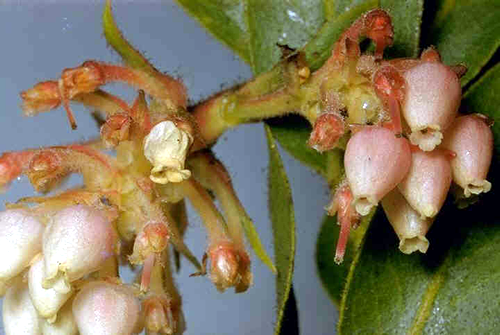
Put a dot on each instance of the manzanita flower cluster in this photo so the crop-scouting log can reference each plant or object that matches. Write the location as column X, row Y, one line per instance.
column 397, row 121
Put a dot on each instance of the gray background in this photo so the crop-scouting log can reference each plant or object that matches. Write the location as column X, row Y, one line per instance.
column 40, row 38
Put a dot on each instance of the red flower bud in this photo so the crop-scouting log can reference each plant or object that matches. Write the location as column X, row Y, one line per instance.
column 327, row 130
column 229, row 267
column 375, row 162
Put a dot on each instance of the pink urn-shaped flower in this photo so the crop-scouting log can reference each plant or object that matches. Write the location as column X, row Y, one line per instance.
column 76, row 242
column 431, row 100
column 375, row 162
column 471, row 139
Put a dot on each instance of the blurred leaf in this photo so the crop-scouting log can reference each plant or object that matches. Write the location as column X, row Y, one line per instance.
column 283, row 223
column 467, row 32
column 483, row 97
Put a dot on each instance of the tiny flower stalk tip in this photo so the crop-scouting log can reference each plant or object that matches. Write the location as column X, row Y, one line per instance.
column 408, row 224
column 166, row 147
column 347, row 217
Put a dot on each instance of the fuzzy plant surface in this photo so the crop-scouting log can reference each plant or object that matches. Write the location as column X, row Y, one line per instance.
column 365, row 102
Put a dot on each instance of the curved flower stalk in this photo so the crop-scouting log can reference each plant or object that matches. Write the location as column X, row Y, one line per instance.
column 162, row 305
column 212, row 174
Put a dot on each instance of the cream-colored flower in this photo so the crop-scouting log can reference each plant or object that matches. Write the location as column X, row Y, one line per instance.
column 166, row 147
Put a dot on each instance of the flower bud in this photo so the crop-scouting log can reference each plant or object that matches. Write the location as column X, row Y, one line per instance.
column 20, row 241
column 470, row 137
column 19, row 314
column 152, row 239
column 115, row 129
column 102, row 308
column 427, row 183
column 64, row 325
column 82, row 79
column 76, row 242
column 163, row 315
column 46, row 301
column 375, row 162
column 432, row 98
column 407, row 223
column 166, row 147
column 42, row 97
column 327, row 130
column 229, row 267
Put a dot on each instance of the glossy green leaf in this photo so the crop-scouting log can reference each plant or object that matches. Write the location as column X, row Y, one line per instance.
column 467, row 32
column 319, row 49
column 406, row 19
column 283, row 224
column 452, row 289
column 483, row 97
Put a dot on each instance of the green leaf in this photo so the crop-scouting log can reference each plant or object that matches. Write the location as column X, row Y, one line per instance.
column 293, row 135
column 114, row 37
column 253, row 238
column 283, row 222
column 483, row 97
column 319, row 49
column 467, row 32
column 406, row 19
column 225, row 19
column 453, row 289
